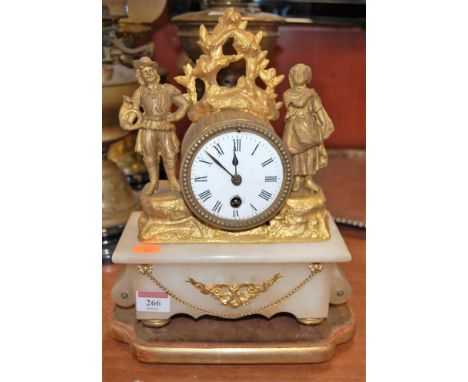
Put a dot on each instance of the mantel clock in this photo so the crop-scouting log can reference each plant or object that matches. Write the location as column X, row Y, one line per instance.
column 243, row 230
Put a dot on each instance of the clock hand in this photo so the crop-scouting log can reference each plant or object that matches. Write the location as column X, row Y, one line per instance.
column 235, row 161
column 218, row 163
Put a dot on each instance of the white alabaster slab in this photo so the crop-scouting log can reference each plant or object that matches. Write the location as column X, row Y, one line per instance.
column 311, row 300
column 332, row 250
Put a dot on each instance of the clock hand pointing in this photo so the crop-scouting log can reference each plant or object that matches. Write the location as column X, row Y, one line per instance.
column 235, row 161
column 218, row 163
column 235, row 179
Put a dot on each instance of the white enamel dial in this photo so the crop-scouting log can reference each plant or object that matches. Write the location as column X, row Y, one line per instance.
column 236, row 179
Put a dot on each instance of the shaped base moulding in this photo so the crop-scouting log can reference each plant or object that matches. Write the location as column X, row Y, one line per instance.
column 250, row 340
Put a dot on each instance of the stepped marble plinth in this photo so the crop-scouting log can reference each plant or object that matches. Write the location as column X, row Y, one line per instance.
column 230, row 280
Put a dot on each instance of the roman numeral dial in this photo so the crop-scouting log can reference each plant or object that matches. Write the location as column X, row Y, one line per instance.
column 217, row 207
column 267, row 162
column 205, row 195
column 236, row 178
column 265, row 195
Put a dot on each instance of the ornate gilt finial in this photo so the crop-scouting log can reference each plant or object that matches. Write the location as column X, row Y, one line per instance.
column 246, row 95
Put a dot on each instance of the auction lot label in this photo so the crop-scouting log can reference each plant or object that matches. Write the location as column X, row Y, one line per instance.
column 148, row 301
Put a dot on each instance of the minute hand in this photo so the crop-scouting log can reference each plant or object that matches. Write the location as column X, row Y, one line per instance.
column 218, row 163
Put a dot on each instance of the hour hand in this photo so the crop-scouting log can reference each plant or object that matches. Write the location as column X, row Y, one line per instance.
column 218, row 163
column 235, row 161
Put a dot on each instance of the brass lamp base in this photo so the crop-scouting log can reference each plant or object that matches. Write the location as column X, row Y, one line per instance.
column 250, row 340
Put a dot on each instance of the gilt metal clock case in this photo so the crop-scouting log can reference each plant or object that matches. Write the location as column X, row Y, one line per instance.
column 208, row 213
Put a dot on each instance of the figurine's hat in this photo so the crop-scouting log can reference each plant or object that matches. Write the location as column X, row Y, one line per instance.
column 144, row 61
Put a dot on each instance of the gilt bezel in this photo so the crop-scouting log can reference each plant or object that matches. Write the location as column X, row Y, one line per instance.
column 235, row 224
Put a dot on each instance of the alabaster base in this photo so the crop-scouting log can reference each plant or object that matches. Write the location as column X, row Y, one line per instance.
column 232, row 280
column 252, row 340
column 166, row 219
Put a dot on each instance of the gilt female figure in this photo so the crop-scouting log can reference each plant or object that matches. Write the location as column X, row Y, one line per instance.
column 307, row 127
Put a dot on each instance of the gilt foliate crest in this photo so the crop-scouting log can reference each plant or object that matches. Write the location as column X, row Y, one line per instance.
column 246, row 95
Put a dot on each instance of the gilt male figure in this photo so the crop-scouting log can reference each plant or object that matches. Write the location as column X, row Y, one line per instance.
column 149, row 111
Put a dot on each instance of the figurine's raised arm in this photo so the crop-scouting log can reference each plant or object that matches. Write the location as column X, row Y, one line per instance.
column 321, row 116
column 136, row 98
column 183, row 106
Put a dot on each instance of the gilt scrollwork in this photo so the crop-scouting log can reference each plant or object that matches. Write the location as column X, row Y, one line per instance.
column 234, row 295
